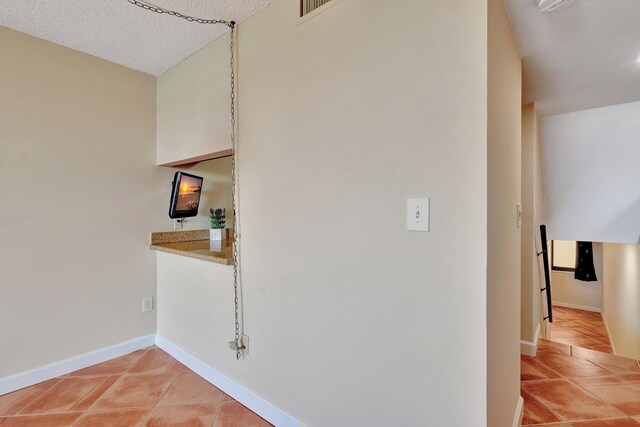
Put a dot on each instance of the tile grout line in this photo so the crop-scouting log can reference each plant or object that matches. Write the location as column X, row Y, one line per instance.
column 584, row 321
column 543, row 364
column 545, row 406
column 117, row 379
column 120, row 376
column 38, row 398
column 570, row 423
column 215, row 418
column 29, row 394
column 165, row 392
column 571, row 354
column 598, row 398
column 542, row 403
column 87, row 394
column 578, row 420
column 69, row 411
column 593, row 395
column 146, row 350
column 623, row 417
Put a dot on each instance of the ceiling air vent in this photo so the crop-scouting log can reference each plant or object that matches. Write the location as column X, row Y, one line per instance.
column 546, row 6
column 308, row 6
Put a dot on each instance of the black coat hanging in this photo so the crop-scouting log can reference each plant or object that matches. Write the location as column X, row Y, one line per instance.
column 585, row 269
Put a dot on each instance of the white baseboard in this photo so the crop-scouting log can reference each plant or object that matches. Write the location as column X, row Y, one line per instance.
column 606, row 326
column 248, row 398
column 63, row 367
column 577, row 307
column 517, row 419
column 530, row 347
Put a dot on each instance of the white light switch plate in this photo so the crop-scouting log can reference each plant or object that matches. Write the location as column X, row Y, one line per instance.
column 418, row 214
column 519, row 215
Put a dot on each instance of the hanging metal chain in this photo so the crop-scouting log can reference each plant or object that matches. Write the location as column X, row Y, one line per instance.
column 237, row 345
column 157, row 9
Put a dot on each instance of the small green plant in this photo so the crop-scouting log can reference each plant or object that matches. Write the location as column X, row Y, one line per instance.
column 218, row 218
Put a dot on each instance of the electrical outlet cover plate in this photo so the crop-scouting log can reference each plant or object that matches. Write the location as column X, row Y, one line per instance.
column 147, row 304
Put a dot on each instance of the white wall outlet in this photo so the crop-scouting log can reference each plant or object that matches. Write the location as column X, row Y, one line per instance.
column 418, row 214
column 147, row 304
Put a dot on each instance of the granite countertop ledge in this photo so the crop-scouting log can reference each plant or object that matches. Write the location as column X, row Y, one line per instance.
column 193, row 244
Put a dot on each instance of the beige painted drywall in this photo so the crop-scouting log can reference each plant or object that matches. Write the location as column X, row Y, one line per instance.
column 564, row 253
column 80, row 194
column 193, row 106
column 591, row 174
column 532, row 275
column 621, row 297
column 539, row 303
column 529, row 300
column 566, row 290
column 503, row 235
column 341, row 119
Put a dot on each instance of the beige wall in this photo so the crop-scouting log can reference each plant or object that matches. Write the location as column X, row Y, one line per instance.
column 539, row 218
column 503, row 250
column 342, row 118
column 528, row 302
column 586, row 295
column 601, row 205
column 193, row 106
column 564, row 253
column 621, row 298
column 532, row 274
column 80, row 194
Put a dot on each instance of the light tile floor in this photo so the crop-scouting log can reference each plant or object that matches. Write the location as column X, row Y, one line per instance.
column 145, row 388
column 566, row 385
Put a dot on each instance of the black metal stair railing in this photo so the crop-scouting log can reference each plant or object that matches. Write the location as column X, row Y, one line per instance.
column 547, row 275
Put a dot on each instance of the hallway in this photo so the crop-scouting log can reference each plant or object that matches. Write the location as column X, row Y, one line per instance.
column 580, row 328
column 566, row 385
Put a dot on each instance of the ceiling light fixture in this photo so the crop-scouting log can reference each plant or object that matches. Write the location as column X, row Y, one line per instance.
column 546, row 6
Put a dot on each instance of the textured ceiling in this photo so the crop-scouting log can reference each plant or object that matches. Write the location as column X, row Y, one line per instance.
column 120, row 32
column 580, row 57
